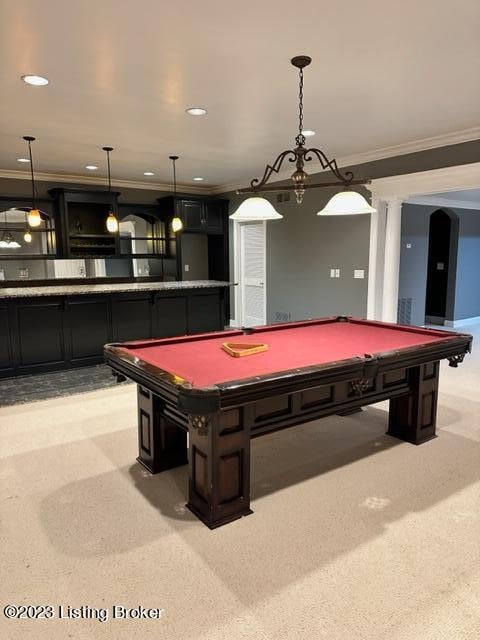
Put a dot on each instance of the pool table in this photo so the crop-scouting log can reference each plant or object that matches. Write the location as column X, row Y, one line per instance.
column 311, row 369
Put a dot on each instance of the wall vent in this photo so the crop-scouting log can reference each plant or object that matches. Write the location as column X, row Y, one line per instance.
column 404, row 311
column 281, row 316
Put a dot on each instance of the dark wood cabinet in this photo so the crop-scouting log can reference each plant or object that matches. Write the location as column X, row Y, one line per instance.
column 83, row 214
column 199, row 215
column 191, row 213
column 87, row 328
column 204, row 311
column 6, row 353
column 40, row 337
column 170, row 316
column 61, row 332
column 131, row 317
column 215, row 216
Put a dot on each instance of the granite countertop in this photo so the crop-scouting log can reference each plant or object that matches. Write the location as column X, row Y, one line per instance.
column 83, row 289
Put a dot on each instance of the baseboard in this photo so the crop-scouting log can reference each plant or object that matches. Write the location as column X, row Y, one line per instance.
column 434, row 320
column 461, row 323
column 234, row 324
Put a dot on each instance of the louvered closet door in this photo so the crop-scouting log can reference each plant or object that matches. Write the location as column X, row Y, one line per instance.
column 252, row 246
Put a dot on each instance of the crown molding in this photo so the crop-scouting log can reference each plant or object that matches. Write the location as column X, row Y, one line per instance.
column 443, row 203
column 424, row 144
column 93, row 180
column 423, row 183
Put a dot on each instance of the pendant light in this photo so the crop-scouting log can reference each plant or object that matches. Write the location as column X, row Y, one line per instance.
column 7, row 241
column 255, row 208
column 177, row 224
column 33, row 216
column 111, row 221
column 344, row 203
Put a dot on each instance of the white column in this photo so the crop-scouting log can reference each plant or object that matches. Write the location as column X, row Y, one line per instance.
column 376, row 259
column 391, row 271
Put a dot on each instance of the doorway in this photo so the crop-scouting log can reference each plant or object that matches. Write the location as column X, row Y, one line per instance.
column 252, row 307
column 439, row 245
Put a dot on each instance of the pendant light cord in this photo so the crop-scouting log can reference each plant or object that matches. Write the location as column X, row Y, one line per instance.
column 174, row 182
column 31, row 172
column 109, row 178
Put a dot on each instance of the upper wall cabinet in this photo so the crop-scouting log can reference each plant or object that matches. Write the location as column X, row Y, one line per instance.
column 201, row 215
column 83, row 214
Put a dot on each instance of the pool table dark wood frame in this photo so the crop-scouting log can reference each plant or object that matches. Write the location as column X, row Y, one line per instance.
column 222, row 419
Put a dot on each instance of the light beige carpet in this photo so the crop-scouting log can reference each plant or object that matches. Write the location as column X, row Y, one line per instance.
column 355, row 535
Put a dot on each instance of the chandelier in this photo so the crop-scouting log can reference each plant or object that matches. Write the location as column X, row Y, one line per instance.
column 346, row 202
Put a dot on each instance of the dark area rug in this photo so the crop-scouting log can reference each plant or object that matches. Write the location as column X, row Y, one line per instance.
column 56, row 384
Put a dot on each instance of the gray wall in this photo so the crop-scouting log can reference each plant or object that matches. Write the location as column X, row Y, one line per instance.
column 302, row 247
column 467, row 298
column 414, row 261
column 195, row 255
column 464, row 285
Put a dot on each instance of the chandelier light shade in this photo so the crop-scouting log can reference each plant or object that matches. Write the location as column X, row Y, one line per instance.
column 27, row 236
column 111, row 222
column 346, row 203
column 255, row 208
column 177, row 224
column 299, row 156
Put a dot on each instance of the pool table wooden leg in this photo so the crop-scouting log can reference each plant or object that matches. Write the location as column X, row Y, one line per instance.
column 162, row 445
column 219, row 467
column 413, row 417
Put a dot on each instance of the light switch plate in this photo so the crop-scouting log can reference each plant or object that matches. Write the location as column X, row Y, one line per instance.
column 187, row 267
column 337, row 273
column 332, row 273
column 359, row 273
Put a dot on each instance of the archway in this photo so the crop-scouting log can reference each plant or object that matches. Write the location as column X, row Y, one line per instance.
column 441, row 266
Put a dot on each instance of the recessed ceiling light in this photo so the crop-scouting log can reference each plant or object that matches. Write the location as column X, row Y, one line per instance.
column 91, row 167
column 198, row 179
column 308, row 133
column 35, row 81
column 196, row 111
column 23, row 160
column 148, row 173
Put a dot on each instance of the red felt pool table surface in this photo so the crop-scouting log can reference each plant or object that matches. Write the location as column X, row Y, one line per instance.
column 201, row 360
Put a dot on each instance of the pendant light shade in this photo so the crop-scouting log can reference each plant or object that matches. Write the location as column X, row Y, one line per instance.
column 111, row 222
column 34, row 218
column 177, row 224
column 346, row 203
column 255, row 208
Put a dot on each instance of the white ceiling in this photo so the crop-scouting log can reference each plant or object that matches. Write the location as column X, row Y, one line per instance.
column 122, row 73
